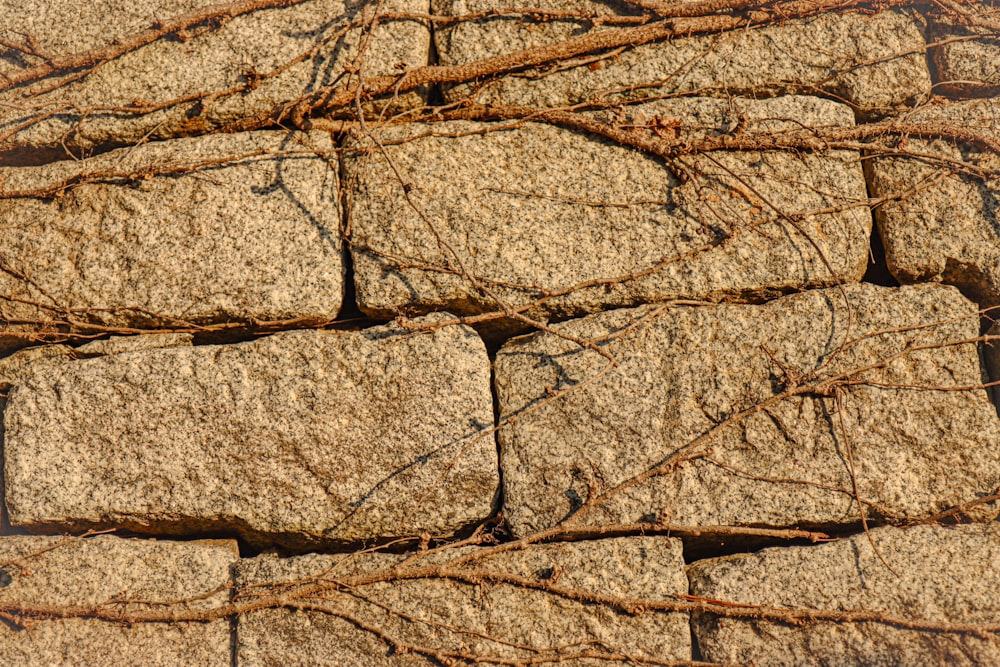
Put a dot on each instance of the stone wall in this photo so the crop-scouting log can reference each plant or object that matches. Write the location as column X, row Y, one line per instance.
column 508, row 332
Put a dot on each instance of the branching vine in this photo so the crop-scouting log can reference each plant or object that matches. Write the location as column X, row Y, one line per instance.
column 359, row 106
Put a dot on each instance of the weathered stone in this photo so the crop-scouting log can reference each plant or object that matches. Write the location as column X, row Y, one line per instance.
column 192, row 81
column 110, row 570
column 253, row 238
column 945, row 227
column 547, row 208
column 299, row 438
column 939, row 574
column 703, row 381
column 967, row 64
column 19, row 366
column 463, row 617
column 873, row 62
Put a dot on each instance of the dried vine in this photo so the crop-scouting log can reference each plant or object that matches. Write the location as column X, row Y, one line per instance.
column 351, row 94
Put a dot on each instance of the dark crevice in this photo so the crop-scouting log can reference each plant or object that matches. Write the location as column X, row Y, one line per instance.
column 435, row 92
column 932, row 34
column 350, row 316
column 227, row 337
column 42, row 155
column 498, row 500
column 878, row 272
column 989, row 356
column 234, row 625
column 349, row 311
column 247, row 550
column 177, row 535
column 349, row 306
column 707, row 545
column 249, row 542
column 695, row 648
column 33, row 157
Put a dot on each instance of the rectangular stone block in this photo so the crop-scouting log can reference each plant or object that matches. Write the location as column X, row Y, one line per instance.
column 940, row 575
column 967, row 57
column 298, row 439
column 247, row 229
column 449, row 618
column 545, row 213
column 115, row 575
column 945, row 226
column 873, row 62
column 231, row 65
column 19, row 366
column 703, row 384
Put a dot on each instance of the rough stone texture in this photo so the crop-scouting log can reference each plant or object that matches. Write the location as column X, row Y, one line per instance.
column 551, row 208
column 946, row 227
column 299, row 438
column 967, row 64
column 208, row 59
column 258, row 238
column 915, row 452
column 103, row 569
column 943, row 574
column 881, row 57
column 17, row 367
column 636, row 567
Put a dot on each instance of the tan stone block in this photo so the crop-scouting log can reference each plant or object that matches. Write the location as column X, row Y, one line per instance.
column 454, row 616
column 298, row 439
column 252, row 234
column 939, row 575
column 914, row 450
column 201, row 79
column 541, row 209
column 107, row 570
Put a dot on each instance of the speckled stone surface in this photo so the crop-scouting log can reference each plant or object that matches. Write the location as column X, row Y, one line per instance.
column 20, row 365
column 881, row 56
column 298, row 439
column 914, row 451
column 945, row 228
column 106, row 569
column 448, row 615
column 544, row 208
column 261, row 47
column 254, row 238
column 941, row 574
column 968, row 57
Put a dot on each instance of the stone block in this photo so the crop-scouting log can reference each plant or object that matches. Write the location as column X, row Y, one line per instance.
column 944, row 227
column 967, row 57
column 202, row 78
column 702, row 383
column 940, row 575
column 298, row 439
column 19, row 366
column 106, row 570
column 534, row 212
column 491, row 618
column 248, row 230
column 872, row 62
